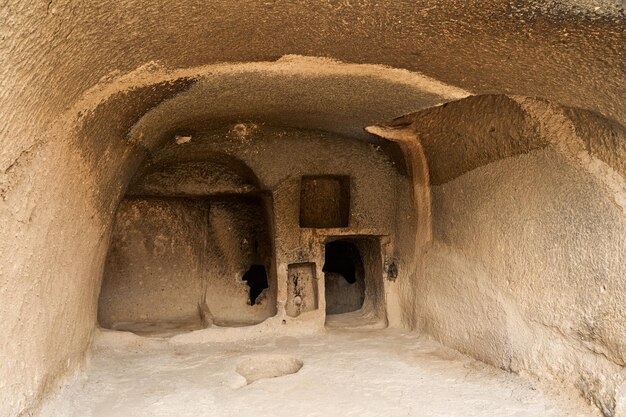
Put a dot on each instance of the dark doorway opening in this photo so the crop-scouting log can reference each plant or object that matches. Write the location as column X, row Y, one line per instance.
column 344, row 276
column 256, row 278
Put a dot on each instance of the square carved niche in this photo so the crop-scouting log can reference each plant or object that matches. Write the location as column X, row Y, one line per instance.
column 325, row 201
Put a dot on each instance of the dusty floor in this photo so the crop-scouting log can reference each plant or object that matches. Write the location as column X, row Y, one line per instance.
column 344, row 373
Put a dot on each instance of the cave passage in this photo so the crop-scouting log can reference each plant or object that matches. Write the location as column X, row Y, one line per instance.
column 344, row 277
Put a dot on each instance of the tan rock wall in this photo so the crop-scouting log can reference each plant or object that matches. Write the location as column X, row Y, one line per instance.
column 526, row 265
column 60, row 183
column 154, row 264
column 527, row 273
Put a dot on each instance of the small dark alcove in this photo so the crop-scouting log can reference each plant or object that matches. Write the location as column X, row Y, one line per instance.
column 256, row 277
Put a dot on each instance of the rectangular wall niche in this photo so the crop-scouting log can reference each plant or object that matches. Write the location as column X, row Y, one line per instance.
column 325, row 201
column 301, row 289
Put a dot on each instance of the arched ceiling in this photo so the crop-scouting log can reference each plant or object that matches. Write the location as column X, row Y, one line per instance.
column 300, row 92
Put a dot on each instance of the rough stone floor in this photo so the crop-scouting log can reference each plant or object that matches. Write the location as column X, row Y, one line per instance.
column 344, row 373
